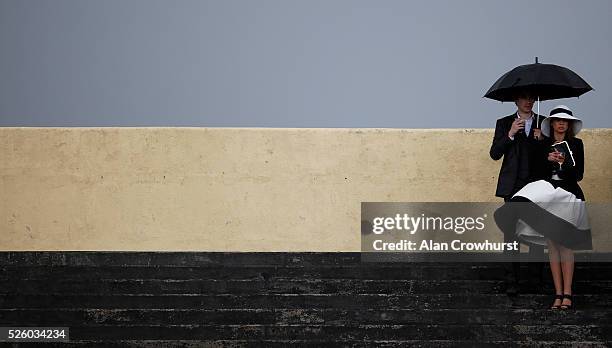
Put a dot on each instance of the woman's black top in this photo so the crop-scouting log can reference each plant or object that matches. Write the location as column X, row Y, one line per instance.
column 569, row 175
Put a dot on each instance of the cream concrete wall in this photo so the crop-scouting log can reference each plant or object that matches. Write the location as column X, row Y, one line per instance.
column 237, row 189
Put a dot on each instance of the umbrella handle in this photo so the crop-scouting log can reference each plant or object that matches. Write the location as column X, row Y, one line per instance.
column 538, row 113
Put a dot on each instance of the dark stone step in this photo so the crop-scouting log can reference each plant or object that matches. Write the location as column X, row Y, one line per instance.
column 349, row 332
column 79, row 317
column 195, row 259
column 333, row 343
column 12, row 273
column 221, row 259
column 284, row 299
column 346, row 301
column 280, row 286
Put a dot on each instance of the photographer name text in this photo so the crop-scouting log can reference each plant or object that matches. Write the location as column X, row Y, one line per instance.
column 455, row 245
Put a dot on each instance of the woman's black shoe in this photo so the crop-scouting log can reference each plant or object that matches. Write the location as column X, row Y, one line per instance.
column 567, row 306
column 557, row 297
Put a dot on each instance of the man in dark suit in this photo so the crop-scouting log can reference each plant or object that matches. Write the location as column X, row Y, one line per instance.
column 518, row 140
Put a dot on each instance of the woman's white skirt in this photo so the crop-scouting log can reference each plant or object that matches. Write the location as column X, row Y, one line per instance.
column 561, row 208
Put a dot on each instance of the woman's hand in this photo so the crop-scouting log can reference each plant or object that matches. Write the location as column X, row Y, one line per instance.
column 561, row 158
column 556, row 157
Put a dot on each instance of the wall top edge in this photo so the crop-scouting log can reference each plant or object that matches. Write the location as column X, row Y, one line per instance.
column 278, row 129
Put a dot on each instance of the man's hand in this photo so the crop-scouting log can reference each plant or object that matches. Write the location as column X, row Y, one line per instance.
column 537, row 134
column 517, row 125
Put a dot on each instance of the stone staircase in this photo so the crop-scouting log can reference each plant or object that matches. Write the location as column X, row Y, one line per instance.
column 210, row 299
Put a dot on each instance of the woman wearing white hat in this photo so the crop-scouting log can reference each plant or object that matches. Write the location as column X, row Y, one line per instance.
column 553, row 212
column 562, row 126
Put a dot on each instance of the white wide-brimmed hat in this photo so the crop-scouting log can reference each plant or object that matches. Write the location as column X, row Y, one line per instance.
column 563, row 112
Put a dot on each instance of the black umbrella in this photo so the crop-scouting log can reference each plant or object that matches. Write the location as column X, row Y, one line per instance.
column 544, row 81
column 548, row 81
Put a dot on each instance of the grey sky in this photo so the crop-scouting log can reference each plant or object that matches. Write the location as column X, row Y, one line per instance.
column 289, row 63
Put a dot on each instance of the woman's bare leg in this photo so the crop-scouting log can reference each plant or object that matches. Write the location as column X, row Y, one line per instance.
column 555, row 269
column 567, row 268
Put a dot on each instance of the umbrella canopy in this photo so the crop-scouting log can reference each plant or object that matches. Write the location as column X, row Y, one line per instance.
column 545, row 81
